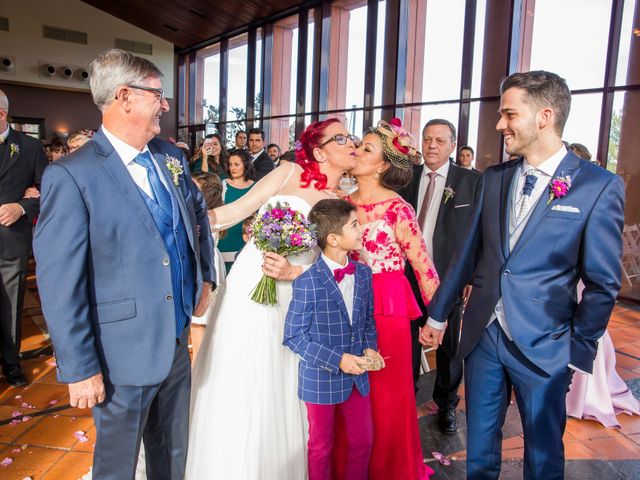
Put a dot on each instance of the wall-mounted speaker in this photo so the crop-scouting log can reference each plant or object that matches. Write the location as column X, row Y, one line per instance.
column 82, row 75
column 66, row 72
column 49, row 70
column 6, row 64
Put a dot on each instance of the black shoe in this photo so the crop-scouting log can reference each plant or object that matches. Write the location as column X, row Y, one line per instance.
column 14, row 374
column 447, row 421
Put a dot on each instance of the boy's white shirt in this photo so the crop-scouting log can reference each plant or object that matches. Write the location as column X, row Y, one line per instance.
column 346, row 286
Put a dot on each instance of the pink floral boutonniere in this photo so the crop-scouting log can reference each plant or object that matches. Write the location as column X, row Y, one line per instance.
column 559, row 187
column 448, row 193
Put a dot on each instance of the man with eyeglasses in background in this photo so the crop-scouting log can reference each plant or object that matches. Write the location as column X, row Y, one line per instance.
column 442, row 194
column 124, row 259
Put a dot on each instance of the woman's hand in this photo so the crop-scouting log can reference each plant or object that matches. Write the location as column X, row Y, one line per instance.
column 205, row 160
column 31, row 192
column 279, row 268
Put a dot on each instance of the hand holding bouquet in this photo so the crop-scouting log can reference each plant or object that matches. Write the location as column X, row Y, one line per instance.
column 284, row 231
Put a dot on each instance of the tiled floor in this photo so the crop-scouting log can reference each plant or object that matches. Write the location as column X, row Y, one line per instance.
column 50, row 441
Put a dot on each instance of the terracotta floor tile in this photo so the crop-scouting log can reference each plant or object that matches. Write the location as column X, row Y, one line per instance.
column 55, row 432
column 513, row 442
column 49, row 378
column 512, row 454
column 630, row 424
column 586, row 429
column 627, row 362
column 32, row 462
column 72, row 466
column 568, row 438
column 578, row 451
column 617, row 448
column 9, row 433
column 39, row 395
column 635, row 438
column 631, row 349
column 88, row 446
column 627, row 374
column 628, row 316
column 621, row 338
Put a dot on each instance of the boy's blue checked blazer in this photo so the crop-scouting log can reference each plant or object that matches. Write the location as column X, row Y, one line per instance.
column 317, row 329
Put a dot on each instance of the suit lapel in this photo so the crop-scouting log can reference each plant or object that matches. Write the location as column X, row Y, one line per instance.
column 570, row 165
column 175, row 191
column 453, row 177
column 9, row 160
column 508, row 177
column 332, row 287
column 357, row 293
column 115, row 168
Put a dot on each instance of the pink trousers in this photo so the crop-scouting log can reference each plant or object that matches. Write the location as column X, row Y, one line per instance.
column 356, row 414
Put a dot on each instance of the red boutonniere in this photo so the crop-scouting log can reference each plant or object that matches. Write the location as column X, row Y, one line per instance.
column 559, row 187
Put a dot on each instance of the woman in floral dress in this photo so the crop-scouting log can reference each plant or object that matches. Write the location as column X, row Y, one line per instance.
column 391, row 236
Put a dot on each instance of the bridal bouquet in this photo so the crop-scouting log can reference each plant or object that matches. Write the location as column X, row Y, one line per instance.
column 282, row 230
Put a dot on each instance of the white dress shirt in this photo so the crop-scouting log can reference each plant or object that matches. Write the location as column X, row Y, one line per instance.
column 138, row 173
column 434, row 207
column 346, row 286
column 255, row 157
column 5, row 134
column 545, row 172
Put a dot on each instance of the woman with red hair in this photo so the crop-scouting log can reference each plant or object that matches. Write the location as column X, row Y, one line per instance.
column 246, row 420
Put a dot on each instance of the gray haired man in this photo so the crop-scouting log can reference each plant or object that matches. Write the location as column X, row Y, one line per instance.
column 124, row 260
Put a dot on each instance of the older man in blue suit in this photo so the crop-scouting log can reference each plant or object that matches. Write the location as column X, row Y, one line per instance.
column 542, row 222
column 124, row 258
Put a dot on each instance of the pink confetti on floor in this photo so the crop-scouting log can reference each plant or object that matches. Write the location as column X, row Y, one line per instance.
column 53, row 402
column 80, row 435
column 26, row 418
column 6, row 462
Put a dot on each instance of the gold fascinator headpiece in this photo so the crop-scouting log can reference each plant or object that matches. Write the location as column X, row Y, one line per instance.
column 396, row 143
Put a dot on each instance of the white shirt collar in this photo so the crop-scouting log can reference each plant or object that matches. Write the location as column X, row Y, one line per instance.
column 443, row 171
column 5, row 134
column 257, row 154
column 550, row 165
column 331, row 264
column 126, row 152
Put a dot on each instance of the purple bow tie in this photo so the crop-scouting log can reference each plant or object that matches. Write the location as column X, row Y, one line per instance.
column 339, row 273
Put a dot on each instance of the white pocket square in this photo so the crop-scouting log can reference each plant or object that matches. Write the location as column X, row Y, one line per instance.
column 463, row 205
column 565, row 208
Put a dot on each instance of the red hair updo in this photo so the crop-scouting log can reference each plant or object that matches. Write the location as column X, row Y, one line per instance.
column 310, row 139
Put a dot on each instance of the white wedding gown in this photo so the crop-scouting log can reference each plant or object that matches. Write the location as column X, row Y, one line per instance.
column 247, row 422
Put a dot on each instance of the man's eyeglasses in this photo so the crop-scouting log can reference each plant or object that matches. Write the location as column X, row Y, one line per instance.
column 341, row 139
column 159, row 92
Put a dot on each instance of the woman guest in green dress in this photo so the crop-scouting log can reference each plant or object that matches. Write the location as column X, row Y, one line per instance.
column 213, row 150
column 239, row 181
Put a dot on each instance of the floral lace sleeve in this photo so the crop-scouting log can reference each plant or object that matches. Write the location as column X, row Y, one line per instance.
column 410, row 239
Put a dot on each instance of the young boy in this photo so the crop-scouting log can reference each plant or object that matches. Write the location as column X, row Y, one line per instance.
column 330, row 326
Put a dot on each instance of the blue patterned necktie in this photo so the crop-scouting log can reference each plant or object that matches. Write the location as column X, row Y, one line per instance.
column 525, row 199
column 161, row 194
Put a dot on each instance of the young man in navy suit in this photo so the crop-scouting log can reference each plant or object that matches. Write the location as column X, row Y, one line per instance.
column 124, row 259
column 330, row 326
column 541, row 223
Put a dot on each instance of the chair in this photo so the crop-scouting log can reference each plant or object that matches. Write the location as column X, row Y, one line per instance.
column 631, row 252
column 424, row 363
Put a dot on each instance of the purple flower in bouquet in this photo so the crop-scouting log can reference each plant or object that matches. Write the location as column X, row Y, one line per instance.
column 282, row 230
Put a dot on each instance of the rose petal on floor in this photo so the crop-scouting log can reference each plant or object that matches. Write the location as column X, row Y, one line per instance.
column 6, row 462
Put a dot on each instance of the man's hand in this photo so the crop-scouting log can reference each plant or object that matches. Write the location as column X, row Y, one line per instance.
column 466, row 293
column 349, row 364
column 371, row 353
column 203, row 303
column 432, row 337
column 87, row 393
column 10, row 213
column 31, row 192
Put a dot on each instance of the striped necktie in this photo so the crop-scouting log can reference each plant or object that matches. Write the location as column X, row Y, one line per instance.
column 524, row 203
column 161, row 194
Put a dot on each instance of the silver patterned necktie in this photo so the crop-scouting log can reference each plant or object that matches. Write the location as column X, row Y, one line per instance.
column 524, row 202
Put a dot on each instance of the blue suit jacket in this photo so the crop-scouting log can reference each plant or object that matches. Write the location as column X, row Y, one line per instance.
column 317, row 328
column 572, row 238
column 102, row 268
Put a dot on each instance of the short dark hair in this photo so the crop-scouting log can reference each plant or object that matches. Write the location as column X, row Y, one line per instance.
column 395, row 178
column 257, row 131
column 543, row 89
column 329, row 216
column 441, row 121
column 239, row 132
column 289, row 156
column 271, row 145
column 580, row 150
column 249, row 171
column 211, row 188
column 467, row 147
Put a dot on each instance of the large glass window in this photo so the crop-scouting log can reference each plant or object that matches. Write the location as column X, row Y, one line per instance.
column 236, row 88
column 583, row 124
column 574, row 47
column 443, row 50
column 209, row 59
column 628, row 34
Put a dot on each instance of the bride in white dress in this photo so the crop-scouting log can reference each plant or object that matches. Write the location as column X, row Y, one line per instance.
column 246, row 420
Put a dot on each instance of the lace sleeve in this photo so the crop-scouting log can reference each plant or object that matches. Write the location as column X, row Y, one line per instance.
column 411, row 242
column 228, row 215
